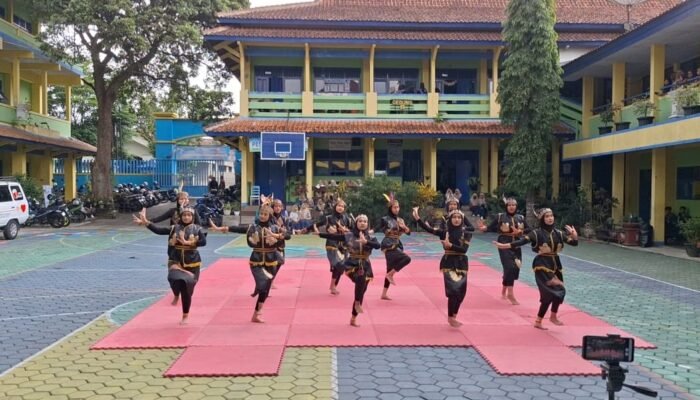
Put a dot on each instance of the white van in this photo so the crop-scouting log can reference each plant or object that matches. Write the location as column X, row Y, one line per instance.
column 14, row 209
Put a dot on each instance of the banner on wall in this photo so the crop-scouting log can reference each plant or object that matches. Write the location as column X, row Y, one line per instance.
column 340, row 144
column 254, row 144
column 394, row 150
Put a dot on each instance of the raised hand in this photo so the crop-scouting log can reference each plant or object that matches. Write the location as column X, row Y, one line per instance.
column 572, row 232
column 254, row 238
column 503, row 246
column 331, row 229
column 270, row 240
column 480, row 225
column 446, row 243
column 362, row 239
column 415, row 214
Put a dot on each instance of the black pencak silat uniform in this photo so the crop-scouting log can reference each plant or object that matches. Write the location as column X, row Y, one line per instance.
column 335, row 250
column 264, row 259
column 357, row 264
column 454, row 264
column 391, row 245
column 511, row 259
column 284, row 226
column 187, row 257
column 547, row 242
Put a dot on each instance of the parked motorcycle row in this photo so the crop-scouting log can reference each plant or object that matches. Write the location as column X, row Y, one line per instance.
column 58, row 213
column 132, row 198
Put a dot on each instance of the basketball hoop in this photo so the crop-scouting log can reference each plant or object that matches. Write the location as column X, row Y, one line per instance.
column 282, row 155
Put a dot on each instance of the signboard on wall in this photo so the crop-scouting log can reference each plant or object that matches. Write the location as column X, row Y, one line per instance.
column 394, row 150
column 340, row 144
column 254, row 145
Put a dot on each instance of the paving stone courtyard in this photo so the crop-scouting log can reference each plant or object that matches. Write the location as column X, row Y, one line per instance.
column 62, row 290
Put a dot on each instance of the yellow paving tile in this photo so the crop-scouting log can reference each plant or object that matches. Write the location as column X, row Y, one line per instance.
column 70, row 371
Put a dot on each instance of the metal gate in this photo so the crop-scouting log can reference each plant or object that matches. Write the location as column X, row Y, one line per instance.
column 192, row 174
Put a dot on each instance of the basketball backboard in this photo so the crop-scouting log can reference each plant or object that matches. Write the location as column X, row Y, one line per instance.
column 283, row 146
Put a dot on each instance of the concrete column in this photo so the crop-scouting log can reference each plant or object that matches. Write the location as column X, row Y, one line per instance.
column 587, row 177
column 14, row 82
column 45, row 93
column 618, row 186
column 494, row 107
column 368, row 157
column 556, row 163
column 657, row 64
column 310, row 168
column 245, row 155
column 37, row 103
column 493, row 182
column 44, row 170
column 18, row 161
column 430, row 162
column 618, row 89
column 69, row 102
column 587, row 106
column 370, row 94
column 307, row 97
column 70, row 177
column 243, row 112
column 433, row 63
column 483, row 77
column 632, row 183
column 484, row 165
column 658, row 191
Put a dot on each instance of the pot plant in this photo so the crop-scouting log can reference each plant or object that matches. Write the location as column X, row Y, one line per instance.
column 689, row 98
column 606, row 117
column 227, row 208
column 632, row 227
column 622, row 125
column 644, row 110
column 691, row 231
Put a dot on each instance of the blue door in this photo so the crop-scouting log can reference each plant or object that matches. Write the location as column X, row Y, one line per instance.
column 463, row 171
column 271, row 176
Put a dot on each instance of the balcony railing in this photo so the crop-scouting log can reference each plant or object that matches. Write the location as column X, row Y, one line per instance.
column 464, row 105
column 571, row 114
column 402, row 105
column 274, row 104
column 346, row 105
column 664, row 106
column 34, row 122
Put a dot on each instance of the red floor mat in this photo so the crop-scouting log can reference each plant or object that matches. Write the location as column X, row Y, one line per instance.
column 536, row 360
column 227, row 361
column 301, row 312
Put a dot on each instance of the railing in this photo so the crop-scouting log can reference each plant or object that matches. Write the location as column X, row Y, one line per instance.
column 464, row 105
column 264, row 104
column 402, row 105
column 571, row 114
column 664, row 111
column 8, row 114
column 330, row 105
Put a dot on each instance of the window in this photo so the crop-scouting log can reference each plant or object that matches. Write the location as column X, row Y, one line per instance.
column 16, row 192
column 688, row 183
column 396, row 80
column 278, row 79
column 456, row 81
column 337, row 80
column 22, row 23
column 5, row 194
column 338, row 163
column 2, row 12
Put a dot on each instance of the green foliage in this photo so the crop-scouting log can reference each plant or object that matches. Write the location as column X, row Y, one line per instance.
column 607, row 114
column 643, row 108
column 688, row 96
column 31, row 187
column 369, row 198
column 529, row 91
column 601, row 210
column 691, row 230
column 572, row 208
column 145, row 43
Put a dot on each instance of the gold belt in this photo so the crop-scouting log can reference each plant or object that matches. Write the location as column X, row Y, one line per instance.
column 363, row 257
column 264, row 249
column 453, row 253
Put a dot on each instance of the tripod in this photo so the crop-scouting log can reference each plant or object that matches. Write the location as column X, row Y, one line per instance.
column 615, row 375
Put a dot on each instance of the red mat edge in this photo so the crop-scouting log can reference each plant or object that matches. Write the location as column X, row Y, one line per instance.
column 215, row 375
column 95, row 347
column 493, row 367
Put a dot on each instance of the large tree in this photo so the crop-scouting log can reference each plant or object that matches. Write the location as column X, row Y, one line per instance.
column 148, row 43
column 529, row 92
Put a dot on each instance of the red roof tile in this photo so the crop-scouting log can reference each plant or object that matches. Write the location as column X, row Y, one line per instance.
column 449, row 11
column 366, row 127
column 13, row 134
column 236, row 32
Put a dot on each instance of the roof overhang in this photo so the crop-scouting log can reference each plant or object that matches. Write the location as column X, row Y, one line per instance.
column 678, row 29
column 11, row 136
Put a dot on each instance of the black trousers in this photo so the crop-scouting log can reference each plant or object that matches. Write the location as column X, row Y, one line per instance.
column 545, row 305
column 182, row 284
column 360, row 289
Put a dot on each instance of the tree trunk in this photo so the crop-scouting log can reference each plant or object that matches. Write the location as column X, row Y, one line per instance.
column 102, row 169
column 530, row 209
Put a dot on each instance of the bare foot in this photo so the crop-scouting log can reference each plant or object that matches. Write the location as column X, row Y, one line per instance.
column 334, row 291
column 183, row 321
column 538, row 325
column 353, row 322
column 358, row 307
column 453, row 322
column 273, row 286
column 556, row 321
column 385, row 297
column 257, row 318
column 513, row 301
column 175, row 300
